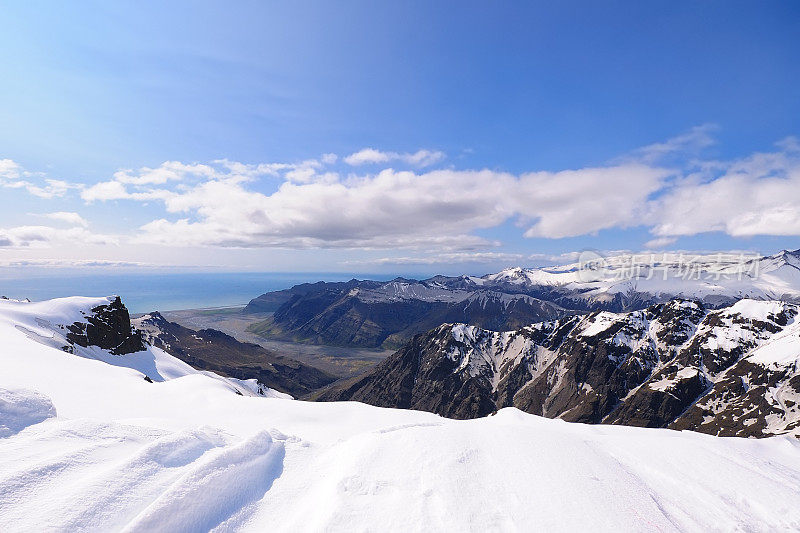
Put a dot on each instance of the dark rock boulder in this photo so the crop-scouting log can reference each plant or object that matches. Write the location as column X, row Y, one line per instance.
column 108, row 327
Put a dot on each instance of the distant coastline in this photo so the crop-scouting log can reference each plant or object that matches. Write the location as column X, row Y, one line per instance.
column 159, row 291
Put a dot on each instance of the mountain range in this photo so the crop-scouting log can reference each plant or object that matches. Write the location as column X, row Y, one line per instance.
column 387, row 314
column 732, row 371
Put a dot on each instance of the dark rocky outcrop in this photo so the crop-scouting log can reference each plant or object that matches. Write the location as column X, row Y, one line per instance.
column 108, row 327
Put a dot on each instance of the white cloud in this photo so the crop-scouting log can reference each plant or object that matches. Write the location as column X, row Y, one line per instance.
column 659, row 242
column 756, row 195
column 691, row 142
column 69, row 217
column 146, row 184
column 12, row 174
column 167, row 171
column 46, row 236
column 421, row 158
column 329, row 159
column 52, row 189
column 405, row 209
column 585, row 201
column 9, row 170
column 115, row 190
column 366, row 156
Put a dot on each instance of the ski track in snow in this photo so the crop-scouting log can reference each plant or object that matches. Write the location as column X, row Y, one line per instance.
column 94, row 447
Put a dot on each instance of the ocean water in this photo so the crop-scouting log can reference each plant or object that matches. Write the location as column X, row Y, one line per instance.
column 144, row 292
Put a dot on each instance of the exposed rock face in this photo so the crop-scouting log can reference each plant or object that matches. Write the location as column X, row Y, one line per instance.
column 416, row 377
column 108, row 327
column 731, row 371
column 209, row 349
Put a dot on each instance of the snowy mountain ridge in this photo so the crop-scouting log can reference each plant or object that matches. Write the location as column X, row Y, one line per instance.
column 697, row 277
column 694, row 276
column 677, row 364
column 70, row 325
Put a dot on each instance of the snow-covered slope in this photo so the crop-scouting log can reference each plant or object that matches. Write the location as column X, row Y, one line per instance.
column 52, row 324
column 92, row 446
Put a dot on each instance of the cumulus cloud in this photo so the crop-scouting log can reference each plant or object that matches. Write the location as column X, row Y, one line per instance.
column 9, row 170
column 51, row 189
column 755, row 195
column 420, row 158
column 392, row 209
column 577, row 202
column 69, row 217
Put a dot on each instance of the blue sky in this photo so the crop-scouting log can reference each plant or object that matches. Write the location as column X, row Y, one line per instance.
column 609, row 125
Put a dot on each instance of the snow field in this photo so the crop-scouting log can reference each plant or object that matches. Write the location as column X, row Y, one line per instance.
column 97, row 448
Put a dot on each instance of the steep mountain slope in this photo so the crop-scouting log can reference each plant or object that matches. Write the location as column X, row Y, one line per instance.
column 372, row 314
column 731, row 371
column 87, row 444
column 209, row 349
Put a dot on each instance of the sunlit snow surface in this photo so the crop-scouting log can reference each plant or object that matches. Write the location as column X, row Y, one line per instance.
column 93, row 446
